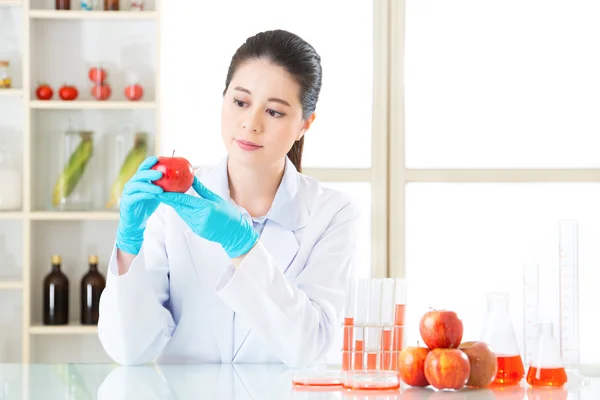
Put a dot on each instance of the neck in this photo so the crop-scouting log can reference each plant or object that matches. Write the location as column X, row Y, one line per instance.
column 254, row 188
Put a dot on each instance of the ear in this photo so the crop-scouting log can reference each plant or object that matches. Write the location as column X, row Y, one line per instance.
column 306, row 125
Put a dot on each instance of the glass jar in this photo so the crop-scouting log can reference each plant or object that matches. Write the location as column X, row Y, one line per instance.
column 5, row 80
column 63, row 4
column 74, row 176
column 11, row 190
column 127, row 151
column 111, row 5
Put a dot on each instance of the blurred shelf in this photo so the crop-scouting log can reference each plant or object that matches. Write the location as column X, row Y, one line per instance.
column 11, row 2
column 75, row 216
column 81, row 15
column 10, row 284
column 11, row 215
column 71, row 329
column 91, row 105
column 11, row 92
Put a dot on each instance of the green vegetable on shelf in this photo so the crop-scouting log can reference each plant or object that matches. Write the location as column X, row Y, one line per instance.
column 73, row 171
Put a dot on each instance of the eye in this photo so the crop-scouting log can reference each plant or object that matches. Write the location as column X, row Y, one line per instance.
column 274, row 113
column 239, row 103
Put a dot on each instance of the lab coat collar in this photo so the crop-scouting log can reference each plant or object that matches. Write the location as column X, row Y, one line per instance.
column 288, row 209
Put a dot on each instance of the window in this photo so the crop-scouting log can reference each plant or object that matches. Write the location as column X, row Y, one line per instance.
column 493, row 112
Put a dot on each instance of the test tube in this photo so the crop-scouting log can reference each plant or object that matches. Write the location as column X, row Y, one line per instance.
column 531, row 304
column 350, row 309
column 360, row 320
column 373, row 338
column 387, row 322
column 569, row 293
column 399, row 308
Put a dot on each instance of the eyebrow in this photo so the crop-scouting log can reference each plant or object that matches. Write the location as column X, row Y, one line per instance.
column 273, row 99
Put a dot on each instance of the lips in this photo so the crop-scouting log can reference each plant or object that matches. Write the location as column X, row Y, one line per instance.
column 247, row 145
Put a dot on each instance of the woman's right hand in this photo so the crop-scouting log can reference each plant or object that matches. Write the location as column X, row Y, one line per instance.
column 138, row 201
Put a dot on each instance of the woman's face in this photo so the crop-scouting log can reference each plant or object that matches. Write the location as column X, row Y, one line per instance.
column 261, row 116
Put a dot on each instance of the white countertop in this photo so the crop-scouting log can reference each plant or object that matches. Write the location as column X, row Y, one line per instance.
column 222, row 382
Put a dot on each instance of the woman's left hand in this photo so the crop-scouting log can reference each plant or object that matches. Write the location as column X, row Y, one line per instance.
column 213, row 218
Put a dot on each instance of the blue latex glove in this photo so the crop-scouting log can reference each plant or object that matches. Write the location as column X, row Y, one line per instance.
column 138, row 201
column 213, row 218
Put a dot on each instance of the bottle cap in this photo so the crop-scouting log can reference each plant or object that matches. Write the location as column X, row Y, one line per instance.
column 56, row 259
column 93, row 259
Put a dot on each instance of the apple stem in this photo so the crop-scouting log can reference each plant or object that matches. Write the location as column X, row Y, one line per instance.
column 173, row 153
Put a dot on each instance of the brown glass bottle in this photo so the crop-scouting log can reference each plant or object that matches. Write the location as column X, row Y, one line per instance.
column 92, row 285
column 63, row 4
column 111, row 5
column 56, row 295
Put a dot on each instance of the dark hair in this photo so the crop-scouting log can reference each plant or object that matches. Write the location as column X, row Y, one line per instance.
column 300, row 60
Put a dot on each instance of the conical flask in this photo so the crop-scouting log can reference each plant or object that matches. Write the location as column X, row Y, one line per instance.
column 546, row 367
column 499, row 334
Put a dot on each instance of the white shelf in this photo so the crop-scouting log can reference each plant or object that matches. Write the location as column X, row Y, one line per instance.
column 75, row 216
column 91, row 105
column 11, row 215
column 9, row 285
column 52, row 50
column 11, row 92
column 86, row 15
column 71, row 329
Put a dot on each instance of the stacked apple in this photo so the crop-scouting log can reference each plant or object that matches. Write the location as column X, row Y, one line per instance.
column 446, row 363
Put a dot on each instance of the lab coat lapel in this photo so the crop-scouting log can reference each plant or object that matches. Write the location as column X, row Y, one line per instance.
column 282, row 245
column 211, row 262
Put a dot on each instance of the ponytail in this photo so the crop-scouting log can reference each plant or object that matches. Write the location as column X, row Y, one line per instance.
column 295, row 154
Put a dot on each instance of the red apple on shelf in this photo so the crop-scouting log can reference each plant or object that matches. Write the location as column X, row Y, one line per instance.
column 68, row 92
column 101, row 92
column 483, row 362
column 44, row 91
column 97, row 75
column 447, row 368
column 441, row 329
column 134, row 92
column 411, row 364
column 178, row 174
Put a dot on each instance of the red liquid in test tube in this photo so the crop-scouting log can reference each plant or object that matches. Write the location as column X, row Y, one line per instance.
column 399, row 308
column 348, row 333
column 373, row 330
column 387, row 323
column 360, row 322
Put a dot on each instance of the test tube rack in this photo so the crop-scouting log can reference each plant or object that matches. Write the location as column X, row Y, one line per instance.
column 373, row 332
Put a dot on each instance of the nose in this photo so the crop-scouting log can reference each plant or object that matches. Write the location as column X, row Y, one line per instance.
column 253, row 122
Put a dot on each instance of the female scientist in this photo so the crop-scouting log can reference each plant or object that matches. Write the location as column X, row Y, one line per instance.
column 250, row 265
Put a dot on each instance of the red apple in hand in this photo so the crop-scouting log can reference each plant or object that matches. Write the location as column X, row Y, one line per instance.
column 484, row 363
column 447, row 368
column 178, row 174
column 441, row 329
column 411, row 362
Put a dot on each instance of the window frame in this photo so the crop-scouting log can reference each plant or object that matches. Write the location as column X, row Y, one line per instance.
column 400, row 176
column 377, row 175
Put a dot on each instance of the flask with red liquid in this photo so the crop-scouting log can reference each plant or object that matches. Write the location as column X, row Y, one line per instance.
column 499, row 334
column 546, row 367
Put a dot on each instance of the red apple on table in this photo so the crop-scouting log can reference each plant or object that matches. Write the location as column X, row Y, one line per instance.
column 441, row 329
column 447, row 368
column 483, row 362
column 178, row 174
column 411, row 362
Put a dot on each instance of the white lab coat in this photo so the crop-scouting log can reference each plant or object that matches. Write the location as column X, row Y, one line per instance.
column 183, row 301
